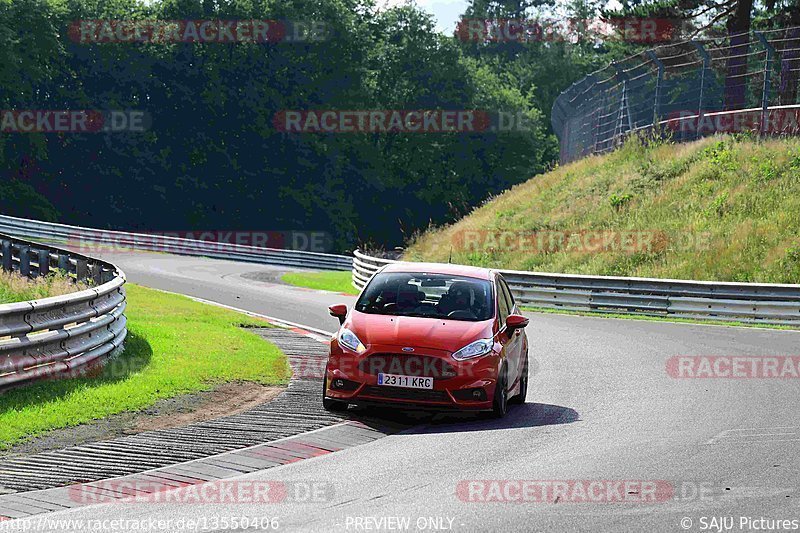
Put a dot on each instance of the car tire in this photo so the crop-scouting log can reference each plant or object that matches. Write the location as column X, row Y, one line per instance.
column 333, row 406
column 520, row 398
column 500, row 401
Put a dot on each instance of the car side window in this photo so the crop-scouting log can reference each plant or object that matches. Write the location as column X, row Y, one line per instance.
column 502, row 302
column 507, row 293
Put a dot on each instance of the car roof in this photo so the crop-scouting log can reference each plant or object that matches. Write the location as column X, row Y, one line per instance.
column 440, row 268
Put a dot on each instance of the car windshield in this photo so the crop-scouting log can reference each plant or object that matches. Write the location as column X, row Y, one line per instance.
column 439, row 296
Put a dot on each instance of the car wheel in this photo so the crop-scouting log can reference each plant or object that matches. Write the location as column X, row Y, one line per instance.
column 519, row 399
column 334, row 406
column 500, row 403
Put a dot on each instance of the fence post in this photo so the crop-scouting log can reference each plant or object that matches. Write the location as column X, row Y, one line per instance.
column 657, row 93
column 602, row 108
column 623, row 104
column 766, row 88
column 706, row 60
column 590, row 122
column 7, row 259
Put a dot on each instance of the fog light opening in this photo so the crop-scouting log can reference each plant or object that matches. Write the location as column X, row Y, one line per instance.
column 343, row 384
column 477, row 394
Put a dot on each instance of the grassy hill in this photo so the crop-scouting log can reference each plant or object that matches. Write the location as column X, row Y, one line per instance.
column 723, row 208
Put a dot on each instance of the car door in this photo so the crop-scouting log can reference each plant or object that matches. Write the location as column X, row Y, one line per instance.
column 503, row 310
column 515, row 344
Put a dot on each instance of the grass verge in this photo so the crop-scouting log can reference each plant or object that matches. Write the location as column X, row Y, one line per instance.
column 336, row 281
column 724, row 208
column 16, row 288
column 174, row 346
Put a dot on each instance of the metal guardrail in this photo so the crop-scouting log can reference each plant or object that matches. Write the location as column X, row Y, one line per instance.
column 119, row 241
column 64, row 335
column 763, row 303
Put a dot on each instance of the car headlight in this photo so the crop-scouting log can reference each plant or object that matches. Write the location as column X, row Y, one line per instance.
column 349, row 340
column 479, row 347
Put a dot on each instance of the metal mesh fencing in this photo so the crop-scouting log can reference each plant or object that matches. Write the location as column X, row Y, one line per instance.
column 740, row 83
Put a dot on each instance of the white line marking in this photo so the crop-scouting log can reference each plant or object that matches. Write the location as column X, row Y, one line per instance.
column 327, row 334
column 265, row 317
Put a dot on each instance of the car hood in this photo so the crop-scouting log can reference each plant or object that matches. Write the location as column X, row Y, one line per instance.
column 417, row 332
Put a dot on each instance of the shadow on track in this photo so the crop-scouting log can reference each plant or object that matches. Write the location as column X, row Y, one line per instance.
column 518, row 416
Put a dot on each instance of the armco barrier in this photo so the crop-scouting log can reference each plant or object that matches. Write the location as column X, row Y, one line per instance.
column 87, row 237
column 63, row 335
column 764, row 303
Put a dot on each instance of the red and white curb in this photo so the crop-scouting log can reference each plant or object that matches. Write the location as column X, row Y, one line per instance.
column 209, row 470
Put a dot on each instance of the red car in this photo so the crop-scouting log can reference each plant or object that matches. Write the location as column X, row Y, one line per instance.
column 427, row 335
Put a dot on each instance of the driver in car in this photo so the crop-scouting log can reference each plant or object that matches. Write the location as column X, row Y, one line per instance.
column 460, row 297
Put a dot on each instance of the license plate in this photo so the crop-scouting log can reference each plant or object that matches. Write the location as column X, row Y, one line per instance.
column 408, row 382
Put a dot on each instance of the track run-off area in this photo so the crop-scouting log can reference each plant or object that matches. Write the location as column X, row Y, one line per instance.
column 610, row 438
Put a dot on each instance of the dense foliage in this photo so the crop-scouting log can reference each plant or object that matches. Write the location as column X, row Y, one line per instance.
column 212, row 157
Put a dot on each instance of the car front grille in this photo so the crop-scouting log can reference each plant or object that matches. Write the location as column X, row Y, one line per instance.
column 407, row 365
column 397, row 393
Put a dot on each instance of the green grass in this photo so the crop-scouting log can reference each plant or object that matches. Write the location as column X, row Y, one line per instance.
column 16, row 288
column 338, row 281
column 724, row 208
column 174, row 346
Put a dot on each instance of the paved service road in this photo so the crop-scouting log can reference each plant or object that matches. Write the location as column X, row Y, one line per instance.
column 223, row 282
column 602, row 408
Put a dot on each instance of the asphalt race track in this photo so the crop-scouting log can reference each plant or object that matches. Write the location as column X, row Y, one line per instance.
column 601, row 409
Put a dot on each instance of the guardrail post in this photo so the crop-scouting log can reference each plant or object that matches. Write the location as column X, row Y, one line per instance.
column 106, row 275
column 25, row 261
column 706, row 61
column 81, row 269
column 7, row 259
column 766, row 88
column 63, row 262
column 44, row 262
column 659, row 83
column 97, row 273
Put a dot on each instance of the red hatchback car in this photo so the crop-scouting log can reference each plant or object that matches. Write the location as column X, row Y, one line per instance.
column 426, row 335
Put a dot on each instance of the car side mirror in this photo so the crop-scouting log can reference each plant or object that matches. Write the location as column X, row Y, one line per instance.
column 514, row 322
column 339, row 311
